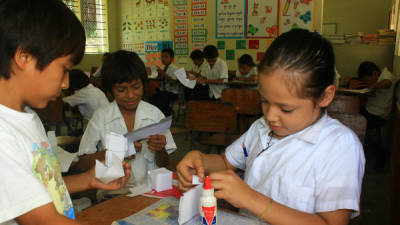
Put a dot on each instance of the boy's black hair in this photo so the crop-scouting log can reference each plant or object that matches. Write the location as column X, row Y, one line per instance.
column 367, row 68
column 170, row 51
column 210, row 52
column 77, row 79
column 307, row 59
column 46, row 29
column 196, row 54
column 246, row 59
column 122, row 66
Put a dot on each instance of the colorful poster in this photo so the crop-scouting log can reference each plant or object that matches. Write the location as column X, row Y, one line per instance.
column 262, row 19
column 221, row 45
column 230, row 54
column 230, row 19
column 181, row 30
column 199, row 8
column 297, row 14
column 180, row 2
column 240, row 44
column 254, row 44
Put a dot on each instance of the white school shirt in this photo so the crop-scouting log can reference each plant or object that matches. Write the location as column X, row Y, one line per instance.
column 199, row 69
column 219, row 71
column 252, row 72
column 318, row 169
column 380, row 103
column 172, row 86
column 30, row 173
column 109, row 119
column 88, row 100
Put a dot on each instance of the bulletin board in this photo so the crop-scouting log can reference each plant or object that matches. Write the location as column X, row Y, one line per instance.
column 230, row 18
column 262, row 19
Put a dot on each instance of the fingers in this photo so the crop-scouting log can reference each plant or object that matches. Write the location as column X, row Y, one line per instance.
column 138, row 146
column 156, row 142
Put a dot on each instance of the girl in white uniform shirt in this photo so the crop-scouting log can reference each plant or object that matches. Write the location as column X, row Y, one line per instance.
column 124, row 76
column 247, row 69
column 301, row 166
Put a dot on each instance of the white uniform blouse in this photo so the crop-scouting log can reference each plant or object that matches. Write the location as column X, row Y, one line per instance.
column 318, row 169
column 219, row 71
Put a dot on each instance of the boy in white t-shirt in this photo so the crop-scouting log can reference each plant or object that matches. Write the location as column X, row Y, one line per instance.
column 87, row 97
column 169, row 85
column 36, row 55
column 216, row 75
column 378, row 107
column 200, row 91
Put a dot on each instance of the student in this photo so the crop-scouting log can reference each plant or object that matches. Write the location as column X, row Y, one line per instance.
column 169, row 85
column 199, row 92
column 125, row 76
column 216, row 74
column 87, row 97
column 36, row 55
column 301, row 166
column 377, row 108
column 247, row 69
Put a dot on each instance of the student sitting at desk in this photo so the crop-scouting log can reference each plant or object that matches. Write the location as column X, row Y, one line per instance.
column 87, row 97
column 216, row 75
column 247, row 69
column 124, row 76
column 36, row 55
column 169, row 85
column 378, row 106
column 301, row 166
column 200, row 91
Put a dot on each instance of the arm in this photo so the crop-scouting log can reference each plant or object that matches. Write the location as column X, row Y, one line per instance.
column 157, row 143
column 381, row 84
column 163, row 74
column 44, row 215
column 233, row 189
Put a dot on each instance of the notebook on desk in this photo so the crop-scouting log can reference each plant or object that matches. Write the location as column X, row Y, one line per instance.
column 165, row 212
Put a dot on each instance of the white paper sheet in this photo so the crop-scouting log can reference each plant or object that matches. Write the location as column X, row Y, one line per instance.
column 189, row 204
column 195, row 180
column 182, row 77
column 154, row 72
column 64, row 158
column 118, row 144
column 112, row 170
column 144, row 132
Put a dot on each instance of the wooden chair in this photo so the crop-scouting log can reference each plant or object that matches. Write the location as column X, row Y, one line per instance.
column 218, row 118
column 52, row 115
column 247, row 103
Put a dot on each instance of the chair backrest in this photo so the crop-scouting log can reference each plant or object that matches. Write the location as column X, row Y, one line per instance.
column 211, row 116
column 53, row 113
column 354, row 121
column 247, row 101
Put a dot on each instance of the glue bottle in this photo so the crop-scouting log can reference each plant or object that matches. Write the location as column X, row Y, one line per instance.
column 208, row 204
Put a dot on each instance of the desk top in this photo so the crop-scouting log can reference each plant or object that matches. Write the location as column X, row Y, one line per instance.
column 353, row 91
column 114, row 209
column 242, row 83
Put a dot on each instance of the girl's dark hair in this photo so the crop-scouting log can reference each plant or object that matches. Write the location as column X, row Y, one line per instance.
column 307, row 59
column 210, row 52
column 122, row 66
column 196, row 54
column 77, row 79
column 367, row 68
column 169, row 51
column 246, row 59
column 46, row 29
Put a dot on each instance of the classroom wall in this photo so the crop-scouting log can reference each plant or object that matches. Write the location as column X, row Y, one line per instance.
column 357, row 15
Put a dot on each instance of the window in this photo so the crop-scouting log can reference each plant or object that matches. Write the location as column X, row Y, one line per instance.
column 93, row 15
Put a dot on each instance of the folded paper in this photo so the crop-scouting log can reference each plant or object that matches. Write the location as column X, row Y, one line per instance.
column 182, row 77
column 160, row 179
column 110, row 171
column 189, row 204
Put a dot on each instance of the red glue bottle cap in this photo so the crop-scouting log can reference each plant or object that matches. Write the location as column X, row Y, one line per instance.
column 207, row 183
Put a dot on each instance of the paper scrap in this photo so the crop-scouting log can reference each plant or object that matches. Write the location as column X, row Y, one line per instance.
column 160, row 179
column 182, row 77
column 112, row 170
column 144, row 132
column 118, row 144
column 154, row 72
column 195, row 180
column 189, row 204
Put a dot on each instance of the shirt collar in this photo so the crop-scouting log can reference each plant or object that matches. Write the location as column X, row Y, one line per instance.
column 116, row 113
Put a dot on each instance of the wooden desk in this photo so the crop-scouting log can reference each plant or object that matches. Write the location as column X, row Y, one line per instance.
column 364, row 91
column 114, row 209
column 240, row 83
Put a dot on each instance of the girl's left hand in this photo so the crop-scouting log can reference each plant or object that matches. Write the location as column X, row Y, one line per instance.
column 231, row 187
column 114, row 185
column 156, row 142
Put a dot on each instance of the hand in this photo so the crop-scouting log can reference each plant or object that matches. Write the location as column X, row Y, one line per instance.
column 159, row 69
column 191, row 164
column 114, row 185
column 201, row 80
column 156, row 142
column 230, row 187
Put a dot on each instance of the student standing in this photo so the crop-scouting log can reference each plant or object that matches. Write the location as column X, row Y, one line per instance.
column 169, row 85
column 87, row 97
column 125, row 76
column 216, row 75
column 301, row 166
column 36, row 54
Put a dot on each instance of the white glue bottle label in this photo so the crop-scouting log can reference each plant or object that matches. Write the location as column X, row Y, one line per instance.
column 208, row 204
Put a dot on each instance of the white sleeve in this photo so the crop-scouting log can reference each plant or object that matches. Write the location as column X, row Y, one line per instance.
column 171, row 71
column 234, row 153
column 20, row 190
column 92, row 135
column 386, row 75
column 75, row 99
column 223, row 71
column 341, row 174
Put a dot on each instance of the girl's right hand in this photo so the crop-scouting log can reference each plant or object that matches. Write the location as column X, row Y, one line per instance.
column 191, row 164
